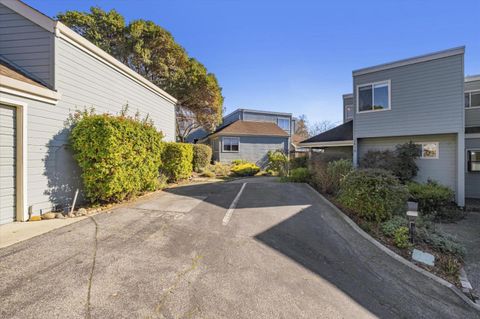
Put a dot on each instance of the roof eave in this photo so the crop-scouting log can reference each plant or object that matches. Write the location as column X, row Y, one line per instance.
column 327, row 144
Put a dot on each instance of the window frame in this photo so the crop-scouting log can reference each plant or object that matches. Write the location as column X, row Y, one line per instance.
column 284, row 119
column 470, row 107
column 231, row 138
column 421, row 150
column 353, row 111
column 357, row 100
column 469, row 151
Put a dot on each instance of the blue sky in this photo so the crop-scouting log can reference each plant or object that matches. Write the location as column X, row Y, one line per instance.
column 297, row 56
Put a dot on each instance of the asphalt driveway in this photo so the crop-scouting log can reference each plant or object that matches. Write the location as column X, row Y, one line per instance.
column 186, row 253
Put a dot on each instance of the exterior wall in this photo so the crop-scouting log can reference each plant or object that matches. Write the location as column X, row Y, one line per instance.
column 472, row 115
column 235, row 116
column 253, row 149
column 347, row 101
column 27, row 45
column 426, row 98
column 472, row 179
column 346, row 151
column 442, row 170
column 265, row 117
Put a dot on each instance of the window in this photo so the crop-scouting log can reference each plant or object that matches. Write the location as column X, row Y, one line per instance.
column 348, row 112
column 428, row 150
column 373, row 97
column 230, row 144
column 474, row 161
column 472, row 99
column 284, row 124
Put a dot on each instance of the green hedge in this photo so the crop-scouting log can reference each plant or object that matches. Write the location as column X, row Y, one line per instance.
column 119, row 156
column 177, row 161
column 298, row 175
column 431, row 197
column 373, row 194
column 202, row 156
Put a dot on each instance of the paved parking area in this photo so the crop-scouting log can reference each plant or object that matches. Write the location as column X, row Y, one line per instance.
column 283, row 253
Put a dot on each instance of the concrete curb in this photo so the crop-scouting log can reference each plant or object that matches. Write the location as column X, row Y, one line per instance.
column 394, row 255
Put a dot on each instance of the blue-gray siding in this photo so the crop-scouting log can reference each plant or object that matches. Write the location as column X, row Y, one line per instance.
column 252, row 148
column 472, row 179
column 472, row 116
column 443, row 169
column 27, row 45
column 426, row 97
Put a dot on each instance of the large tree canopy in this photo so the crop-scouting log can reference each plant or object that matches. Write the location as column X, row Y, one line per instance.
column 152, row 51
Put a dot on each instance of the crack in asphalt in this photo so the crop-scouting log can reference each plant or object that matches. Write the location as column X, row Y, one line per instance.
column 88, row 314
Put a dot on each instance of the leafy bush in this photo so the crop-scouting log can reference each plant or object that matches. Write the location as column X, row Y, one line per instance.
column 439, row 241
column 390, row 226
column 297, row 162
column 336, row 173
column 400, row 238
column 450, row 265
column 202, row 155
column 239, row 161
column 298, row 175
column 119, row 156
column 373, row 194
column 400, row 162
column 220, row 169
column 177, row 161
column 207, row 173
column 247, row 169
column 277, row 162
column 318, row 165
column 431, row 197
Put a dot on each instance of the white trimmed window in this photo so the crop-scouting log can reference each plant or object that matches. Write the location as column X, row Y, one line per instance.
column 428, row 150
column 373, row 97
column 230, row 144
column 472, row 99
column 348, row 112
column 284, row 124
column 474, row 160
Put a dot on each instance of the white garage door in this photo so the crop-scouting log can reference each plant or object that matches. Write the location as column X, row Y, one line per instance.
column 7, row 164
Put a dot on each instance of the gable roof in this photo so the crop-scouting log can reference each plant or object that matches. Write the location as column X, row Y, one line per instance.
column 251, row 128
column 341, row 133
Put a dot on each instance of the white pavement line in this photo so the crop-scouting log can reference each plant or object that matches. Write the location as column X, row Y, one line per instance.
column 230, row 210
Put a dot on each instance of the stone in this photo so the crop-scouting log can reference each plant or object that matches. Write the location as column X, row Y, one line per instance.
column 81, row 212
column 423, row 257
column 70, row 215
column 48, row 216
column 59, row 215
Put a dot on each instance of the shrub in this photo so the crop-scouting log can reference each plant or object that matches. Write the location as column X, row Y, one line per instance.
column 450, row 265
column 389, row 227
column 202, row 156
column 378, row 160
column 177, row 161
column 239, row 161
column 207, row 173
column 439, row 241
column 298, row 175
column 318, row 165
column 373, row 194
column 336, row 173
column 400, row 238
column 297, row 162
column 277, row 162
column 431, row 197
column 119, row 156
column 246, row 169
column 220, row 169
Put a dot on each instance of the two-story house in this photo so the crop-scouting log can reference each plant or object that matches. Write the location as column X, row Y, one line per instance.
column 249, row 135
column 426, row 100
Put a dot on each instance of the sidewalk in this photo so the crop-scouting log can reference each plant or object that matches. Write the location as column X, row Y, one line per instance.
column 467, row 232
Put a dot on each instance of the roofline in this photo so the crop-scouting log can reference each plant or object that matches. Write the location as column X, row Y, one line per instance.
column 347, row 95
column 62, row 31
column 412, row 60
column 327, row 144
column 24, row 89
column 258, row 111
column 471, row 78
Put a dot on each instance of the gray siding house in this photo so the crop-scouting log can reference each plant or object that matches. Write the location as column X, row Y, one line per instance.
column 250, row 134
column 47, row 71
column 426, row 100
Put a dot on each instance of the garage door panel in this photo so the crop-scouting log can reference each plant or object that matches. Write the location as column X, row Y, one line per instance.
column 7, row 164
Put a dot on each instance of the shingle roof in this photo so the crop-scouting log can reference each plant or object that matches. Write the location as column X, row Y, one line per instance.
column 11, row 71
column 251, row 128
column 343, row 132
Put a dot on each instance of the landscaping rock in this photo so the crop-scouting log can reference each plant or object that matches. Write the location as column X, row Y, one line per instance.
column 48, row 216
column 423, row 257
column 70, row 215
column 81, row 212
column 59, row 216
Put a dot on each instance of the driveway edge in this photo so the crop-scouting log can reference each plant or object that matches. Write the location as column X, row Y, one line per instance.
column 395, row 255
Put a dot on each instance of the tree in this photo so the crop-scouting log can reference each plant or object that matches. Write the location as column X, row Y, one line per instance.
column 301, row 126
column 152, row 51
column 320, row 127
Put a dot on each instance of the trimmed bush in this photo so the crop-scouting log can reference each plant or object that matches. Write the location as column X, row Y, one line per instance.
column 202, row 156
column 431, row 197
column 246, row 169
column 119, row 156
column 298, row 175
column 378, row 160
column 373, row 194
column 277, row 162
column 389, row 227
column 177, row 161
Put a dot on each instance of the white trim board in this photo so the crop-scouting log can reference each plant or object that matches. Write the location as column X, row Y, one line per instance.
column 27, row 90
column 327, row 144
